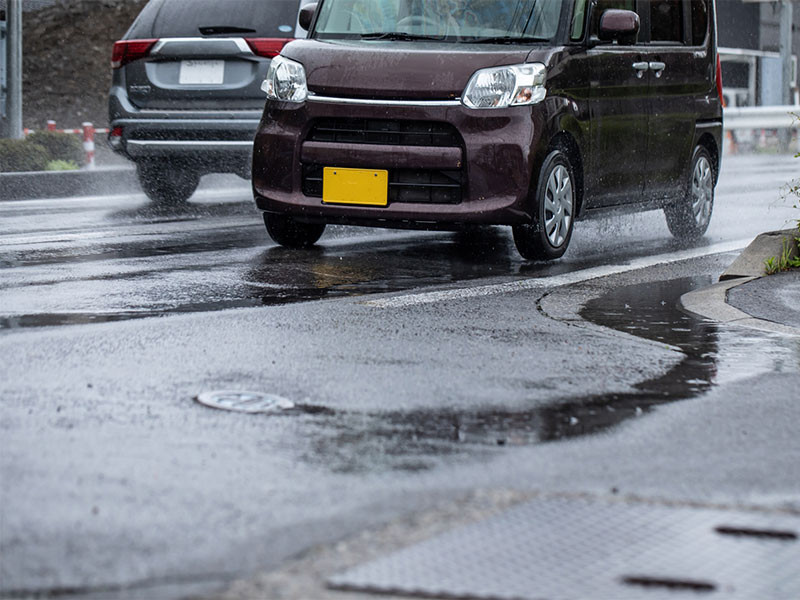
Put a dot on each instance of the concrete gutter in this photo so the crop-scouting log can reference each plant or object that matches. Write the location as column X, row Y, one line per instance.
column 62, row 184
column 713, row 303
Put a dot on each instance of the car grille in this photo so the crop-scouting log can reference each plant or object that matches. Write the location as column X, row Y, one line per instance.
column 384, row 132
column 429, row 186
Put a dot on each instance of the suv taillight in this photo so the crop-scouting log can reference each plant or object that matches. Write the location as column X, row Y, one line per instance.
column 267, row 47
column 126, row 51
column 115, row 138
column 719, row 81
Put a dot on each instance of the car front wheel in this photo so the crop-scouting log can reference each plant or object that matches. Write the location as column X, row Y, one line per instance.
column 548, row 236
column 688, row 218
column 285, row 231
column 166, row 183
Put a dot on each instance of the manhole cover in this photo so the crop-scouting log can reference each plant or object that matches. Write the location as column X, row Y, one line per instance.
column 246, row 402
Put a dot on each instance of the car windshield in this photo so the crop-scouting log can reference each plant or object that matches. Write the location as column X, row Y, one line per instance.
column 470, row 21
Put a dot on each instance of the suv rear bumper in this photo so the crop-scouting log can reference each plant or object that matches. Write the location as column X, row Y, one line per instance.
column 216, row 140
column 157, row 146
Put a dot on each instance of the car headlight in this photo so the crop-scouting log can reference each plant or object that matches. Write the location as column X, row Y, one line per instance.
column 285, row 81
column 501, row 87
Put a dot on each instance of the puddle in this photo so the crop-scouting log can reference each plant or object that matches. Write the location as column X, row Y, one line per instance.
column 416, row 440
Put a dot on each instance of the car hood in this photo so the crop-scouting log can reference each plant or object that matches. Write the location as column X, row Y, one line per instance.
column 396, row 70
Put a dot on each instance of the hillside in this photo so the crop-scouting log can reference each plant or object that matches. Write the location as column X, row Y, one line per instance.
column 66, row 59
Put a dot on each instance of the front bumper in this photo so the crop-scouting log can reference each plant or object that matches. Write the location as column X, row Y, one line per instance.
column 492, row 156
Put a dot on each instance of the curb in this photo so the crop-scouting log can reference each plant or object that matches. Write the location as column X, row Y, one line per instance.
column 61, row 184
column 712, row 302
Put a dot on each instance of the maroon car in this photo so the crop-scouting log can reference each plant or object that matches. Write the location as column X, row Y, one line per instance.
column 441, row 114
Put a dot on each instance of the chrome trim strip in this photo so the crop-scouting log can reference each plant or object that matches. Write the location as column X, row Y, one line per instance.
column 240, row 43
column 199, row 113
column 177, row 123
column 144, row 147
column 370, row 102
column 190, row 143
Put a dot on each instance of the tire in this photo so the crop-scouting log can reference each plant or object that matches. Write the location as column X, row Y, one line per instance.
column 167, row 184
column 548, row 236
column 290, row 233
column 688, row 218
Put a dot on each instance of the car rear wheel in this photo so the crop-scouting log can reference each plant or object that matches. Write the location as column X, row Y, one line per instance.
column 285, row 231
column 167, row 183
column 548, row 236
column 688, row 218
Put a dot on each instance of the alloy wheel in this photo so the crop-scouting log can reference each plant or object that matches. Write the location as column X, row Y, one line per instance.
column 558, row 206
column 702, row 192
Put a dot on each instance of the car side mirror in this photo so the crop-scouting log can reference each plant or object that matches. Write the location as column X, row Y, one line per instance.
column 621, row 26
column 307, row 15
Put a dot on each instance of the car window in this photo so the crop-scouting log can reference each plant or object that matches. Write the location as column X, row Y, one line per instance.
column 666, row 21
column 578, row 20
column 196, row 18
column 445, row 20
column 699, row 21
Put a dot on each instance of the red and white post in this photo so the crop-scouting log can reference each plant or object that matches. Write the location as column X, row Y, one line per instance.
column 51, row 125
column 88, row 144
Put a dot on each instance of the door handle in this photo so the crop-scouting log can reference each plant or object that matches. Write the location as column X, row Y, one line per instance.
column 641, row 67
column 658, row 67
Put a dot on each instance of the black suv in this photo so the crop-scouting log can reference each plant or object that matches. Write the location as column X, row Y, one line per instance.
column 186, row 93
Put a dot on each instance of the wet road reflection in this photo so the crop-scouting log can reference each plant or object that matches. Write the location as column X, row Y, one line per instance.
column 154, row 262
column 285, row 275
column 414, row 440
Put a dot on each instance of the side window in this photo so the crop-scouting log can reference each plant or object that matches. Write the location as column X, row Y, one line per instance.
column 603, row 5
column 666, row 21
column 578, row 20
column 699, row 21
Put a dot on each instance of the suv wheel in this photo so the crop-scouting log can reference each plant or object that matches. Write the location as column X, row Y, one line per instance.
column 554, row 211
column 290, row 233
column 167, row 183
column 689, row 217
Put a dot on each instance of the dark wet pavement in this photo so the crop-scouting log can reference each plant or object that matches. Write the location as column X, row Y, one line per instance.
column 75, row 261
column 119, row 478
column 774, row 298
column 408, row 440
column 142, row 261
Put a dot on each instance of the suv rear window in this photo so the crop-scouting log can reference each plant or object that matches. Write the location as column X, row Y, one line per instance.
column 229, row 18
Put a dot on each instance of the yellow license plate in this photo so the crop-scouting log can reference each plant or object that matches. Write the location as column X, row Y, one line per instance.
column 355, row 186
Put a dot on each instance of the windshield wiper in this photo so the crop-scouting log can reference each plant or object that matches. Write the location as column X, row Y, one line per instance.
column 503, row 39
column 224, row 29
column 398, row 36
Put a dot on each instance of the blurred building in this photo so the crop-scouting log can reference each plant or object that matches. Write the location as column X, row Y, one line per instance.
column 748, row 34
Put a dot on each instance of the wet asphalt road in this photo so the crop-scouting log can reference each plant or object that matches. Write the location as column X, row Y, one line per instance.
column 104, row 259
column 113, row 476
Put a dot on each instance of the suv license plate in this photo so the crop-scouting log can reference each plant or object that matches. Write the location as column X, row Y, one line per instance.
column 202, row 72
column 355, row 186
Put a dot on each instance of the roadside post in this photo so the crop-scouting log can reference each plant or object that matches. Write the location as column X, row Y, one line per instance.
column 3, row 90
column 14, row 68
column 786, row 66
column 88, row 144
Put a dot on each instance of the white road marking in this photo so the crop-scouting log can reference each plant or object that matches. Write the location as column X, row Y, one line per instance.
column 406, row 300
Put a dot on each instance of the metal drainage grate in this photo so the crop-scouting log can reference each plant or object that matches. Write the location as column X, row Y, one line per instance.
column 571, row 549
column 246, row 402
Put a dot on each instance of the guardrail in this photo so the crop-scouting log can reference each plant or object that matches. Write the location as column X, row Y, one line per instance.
column 761, row 117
